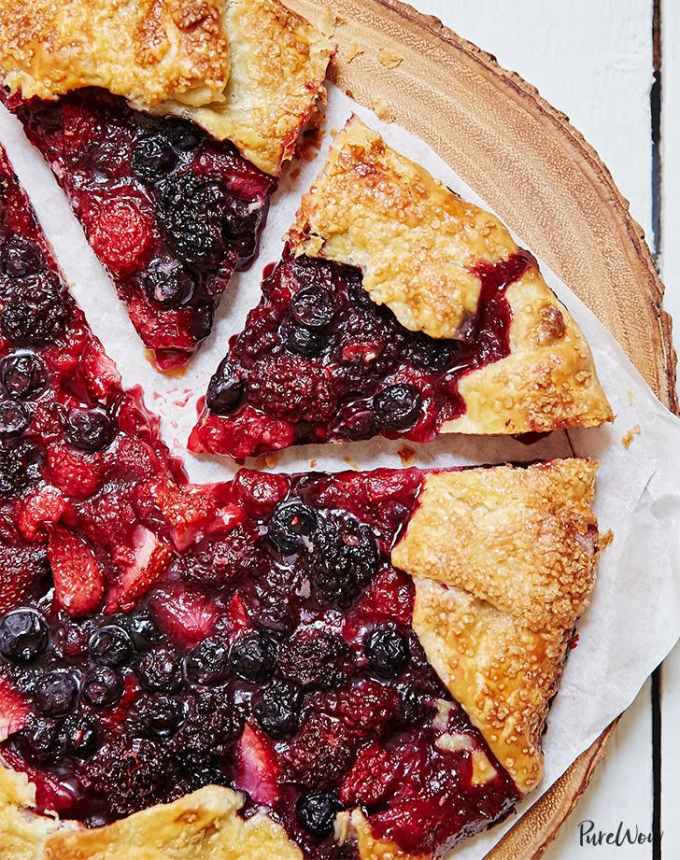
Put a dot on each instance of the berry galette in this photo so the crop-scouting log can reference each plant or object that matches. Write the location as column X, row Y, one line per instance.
column 169, row 209
column 332, row 667
column 398, row 309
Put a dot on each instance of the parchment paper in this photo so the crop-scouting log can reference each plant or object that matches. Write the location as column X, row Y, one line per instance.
column 634, row 619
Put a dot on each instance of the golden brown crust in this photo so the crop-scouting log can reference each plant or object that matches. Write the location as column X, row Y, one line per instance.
column 547, row 382
column 418, row 244
column 146, row 50
column 278, row 65
column 204, row 825
column 250, row 71
column 371, row 848
column 415, row 241
column 504, row 564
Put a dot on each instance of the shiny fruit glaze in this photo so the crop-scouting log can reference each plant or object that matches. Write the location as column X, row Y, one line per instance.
column 319, row 361
column 169, row 211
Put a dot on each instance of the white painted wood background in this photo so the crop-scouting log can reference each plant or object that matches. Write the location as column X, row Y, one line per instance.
column 593, row 59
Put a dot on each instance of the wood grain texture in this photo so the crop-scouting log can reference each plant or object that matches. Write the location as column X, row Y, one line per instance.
column 542, row 177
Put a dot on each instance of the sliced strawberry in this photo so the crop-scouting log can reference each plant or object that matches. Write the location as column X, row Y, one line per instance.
column 75, row 473
column 186, row 510
column 78, row 577
column 14, row 709
column 151, row 558
column 39, row 510
column 187, row 616
column 370, row 779
column 257, row 768
column 238, row 615
column 121, row 234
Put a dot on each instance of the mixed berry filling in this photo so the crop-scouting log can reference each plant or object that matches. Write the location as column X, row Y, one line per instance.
column 157, row 637
column 318, row 360
column 170, row 212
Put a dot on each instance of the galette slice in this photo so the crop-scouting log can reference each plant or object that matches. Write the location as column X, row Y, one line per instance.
column 169, row 208
column 401, row 310
column 347, row 666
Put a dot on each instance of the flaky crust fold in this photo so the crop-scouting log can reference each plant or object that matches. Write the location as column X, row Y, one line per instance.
column 503, row 560
column 421, row 248
column 250, row 71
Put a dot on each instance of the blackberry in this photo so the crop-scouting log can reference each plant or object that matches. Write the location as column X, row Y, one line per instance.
column 23, row 635
column 430, row 353
column 208, row 663
column 190, row 213
column 212, row 723
column 291, row 525
column 23, row 374
column 35, row 310
column 241, row 217
column 316, row 812
column 153, row 158
column 315, row 658
column 160, row 671
column 386, row 650
column 156, row 716
column 19, row 466
column 346, row 558
column 20, row 257
column 277, row 708
column 397, row 407
column 225, row 389
column 89, row 429
column 168, row 283
column 319, row 753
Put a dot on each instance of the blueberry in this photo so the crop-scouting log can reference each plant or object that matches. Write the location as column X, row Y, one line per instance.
column 201, row 320
column 141, row 628
column 316, row 812
column 291, row 523
column 241, row 216
column 156, row 716
column 184, row 135
column 386, row 651
column 102, row 687
column 160, row 671
column 277, row 708
column 312, row 307
column 56, row 692
column 14, row 419
column 397, row 406
column 23, row 374
column 430, row 353
column 21, row 257
column 89, row 429
column 23, row 635
column 303, row 341
column 208, row 663
column 79, row 734
column 253, row 656
column 153, row 158
column 225, row 390
column 414, row 705
column 110, row 646
column 35, row 309
column 168, row 283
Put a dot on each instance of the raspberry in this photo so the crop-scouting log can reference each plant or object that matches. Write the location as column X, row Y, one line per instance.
column 319, row 753
column 287, row 386
column 187, row 616
column 246, row 434
column 370, row 779
column 75, row 473
column 81, row 127
column 191, row 211
column 368, row 708
column 259, row 492
column 40, row 510
column 217, row 562
column 121, row 234
column 23, row 571
column 390, row 597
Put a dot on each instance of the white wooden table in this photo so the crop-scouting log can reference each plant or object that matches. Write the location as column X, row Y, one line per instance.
column 595, row 60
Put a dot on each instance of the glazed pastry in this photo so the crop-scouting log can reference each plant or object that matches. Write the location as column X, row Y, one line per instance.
column 401, row 310
column 170, row 208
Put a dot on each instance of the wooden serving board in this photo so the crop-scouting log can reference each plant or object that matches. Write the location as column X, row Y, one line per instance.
column 547, row 183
